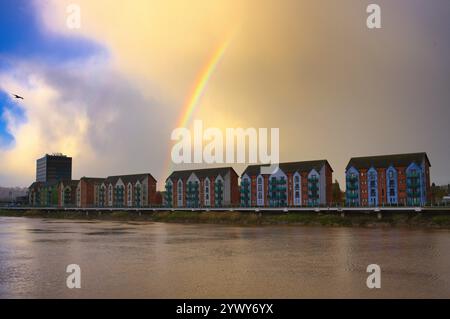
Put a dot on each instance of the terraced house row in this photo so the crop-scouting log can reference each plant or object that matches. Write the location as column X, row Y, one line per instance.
column 114, row 191
column 402, row 179
column 214, row 187
column 293, row 184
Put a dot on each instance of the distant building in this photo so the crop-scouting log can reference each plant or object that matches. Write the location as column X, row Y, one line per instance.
column 43, row 194
column 11, row 194
column 114, row 191
column 210, row 187
column 51, row 168
column 87, row 194
column 67, row 193
column 402, row 179
column 307, row 183
column 137, row 190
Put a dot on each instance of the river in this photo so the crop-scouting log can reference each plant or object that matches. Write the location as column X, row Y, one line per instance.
column 161, row 260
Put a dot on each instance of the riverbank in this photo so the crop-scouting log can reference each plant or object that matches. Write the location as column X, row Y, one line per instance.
column 415, row 220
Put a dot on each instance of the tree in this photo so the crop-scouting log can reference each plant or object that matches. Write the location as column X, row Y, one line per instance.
column 337, row 194
column 437, row 193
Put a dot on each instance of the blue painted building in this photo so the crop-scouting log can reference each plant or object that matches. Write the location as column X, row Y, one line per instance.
column 401, row 179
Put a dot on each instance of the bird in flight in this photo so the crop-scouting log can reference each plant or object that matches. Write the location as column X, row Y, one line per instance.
column 17, row 96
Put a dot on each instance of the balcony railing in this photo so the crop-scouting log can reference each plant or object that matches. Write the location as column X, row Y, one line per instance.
column 352, row 179
column 352, row 195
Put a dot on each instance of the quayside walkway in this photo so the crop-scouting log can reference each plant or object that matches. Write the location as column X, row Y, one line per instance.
column 355, row 210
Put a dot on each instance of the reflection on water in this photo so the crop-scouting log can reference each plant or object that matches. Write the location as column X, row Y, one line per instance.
column 156, row 260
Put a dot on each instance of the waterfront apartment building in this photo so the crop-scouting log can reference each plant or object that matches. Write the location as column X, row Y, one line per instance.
column 44, row 194
column 67, row 193
column 87, row 191
column 402, row 179
column 51, row 168
column 211, row 187
column 306, row 183
column 138, row 190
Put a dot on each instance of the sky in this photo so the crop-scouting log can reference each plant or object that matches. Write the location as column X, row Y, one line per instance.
column 110, row 93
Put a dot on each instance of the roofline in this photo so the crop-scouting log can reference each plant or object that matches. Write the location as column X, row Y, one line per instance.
column 399, row 154
column 200, row 169
column 286, row 163
column 126, row 175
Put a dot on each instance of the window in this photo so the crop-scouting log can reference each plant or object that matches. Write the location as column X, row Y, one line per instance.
column 207, row 191
column 207, row 196
column 245, row 192
column 180, row 193
column 110, row 194
column 297, row 199
column 260, row 191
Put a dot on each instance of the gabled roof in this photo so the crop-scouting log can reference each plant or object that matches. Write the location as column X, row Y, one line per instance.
column 71, row 183
column 384, row 161
column 43, row 184
column 202, row 173
column 290, row 167
column 36, row 185
column 95, row 180
column 128, row 178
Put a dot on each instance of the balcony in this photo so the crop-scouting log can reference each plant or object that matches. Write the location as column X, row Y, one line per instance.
column 352, row 179
column 413, row 183
column 352, row 195
column 413, row 174
column 413, row 193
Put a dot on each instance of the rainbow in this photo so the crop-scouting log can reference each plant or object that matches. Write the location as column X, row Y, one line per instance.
column 200, row 86
column 202, row 82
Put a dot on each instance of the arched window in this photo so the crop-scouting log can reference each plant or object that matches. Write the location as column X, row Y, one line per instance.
column 414, row 182
column 207, row 193
column 78, row 196
column 373, row 187
column 119, row 199
column 392, row 185
column 101, row 196
column 129, row 195
column 137, row 195
column 67, row 195
column 218, row 192
column 313, row 188
column 110, row 195
column 297, row 190
column 352, row 192
column 260, row 191
column 180, row 193
column 169, row 193
column 245, row 192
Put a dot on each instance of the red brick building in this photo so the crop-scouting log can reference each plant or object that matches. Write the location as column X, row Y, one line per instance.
column 400, row 179
column 305, row 183
column 137, row 190
column 211, row 187
column 67, row 193
column 86, row 191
